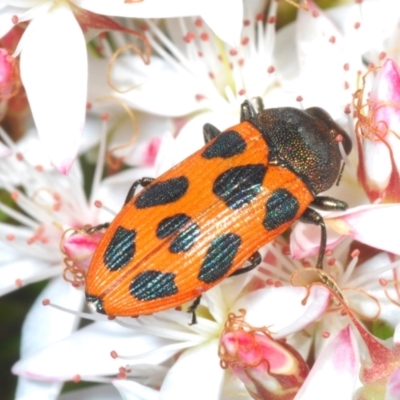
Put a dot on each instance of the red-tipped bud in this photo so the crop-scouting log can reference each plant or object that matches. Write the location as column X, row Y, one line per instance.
column 269, row 368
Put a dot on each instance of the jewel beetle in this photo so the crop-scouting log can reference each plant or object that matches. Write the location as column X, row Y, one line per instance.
column 199, row 222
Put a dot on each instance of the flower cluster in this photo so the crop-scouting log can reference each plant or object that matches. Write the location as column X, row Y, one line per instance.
column 95, row 95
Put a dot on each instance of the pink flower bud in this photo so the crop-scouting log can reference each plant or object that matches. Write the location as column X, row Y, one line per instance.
column 269, row 368
column 78, row 249
column 379, row 135
column 7, row 75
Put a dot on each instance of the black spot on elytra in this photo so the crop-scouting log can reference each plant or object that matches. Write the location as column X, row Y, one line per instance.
column 170, row 225
column 97, row 301
column 227, row 144
column 239, row 185
column 161, row 193
column 151, row 285
column 186, row 239
column 121, row 249
column 219, row 257
column 281, row 207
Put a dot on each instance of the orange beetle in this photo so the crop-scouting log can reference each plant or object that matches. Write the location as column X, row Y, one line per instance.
column 198, row 223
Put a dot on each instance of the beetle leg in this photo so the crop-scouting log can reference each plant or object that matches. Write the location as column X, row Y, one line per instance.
column 310, row 216
column 143, row 182
column 247, row 112
column 254, row 260
column 259, row 104
column 327, row 203
column 192, row 309
column 210, row 132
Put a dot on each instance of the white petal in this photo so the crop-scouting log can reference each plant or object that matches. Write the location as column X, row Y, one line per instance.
column 15, row 273
column 182, row 380
column 334, row 374
column 43, row 326
column 229, row 30
column 281, row 308
column 130, row 390
column 101, row 392
column 54, row 73
column 179, row 88
column 87, row 353
column 28, row 389
column 372, row 225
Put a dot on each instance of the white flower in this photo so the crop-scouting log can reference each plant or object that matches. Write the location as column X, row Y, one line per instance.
column 192, row 71
column 54, row 57
column 46, row 204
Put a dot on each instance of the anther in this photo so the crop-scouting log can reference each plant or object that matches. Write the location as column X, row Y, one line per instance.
column 189, row 37
column 332, row 39
column 325, row 335
column 315, row 14
column 331, row 261
column 46, row 302
column 14, row 19
column 105, row 116
column 271, row 69
column 260, row 17
column 271, row 19
column 199, row 97
column 114, row 354
column 383, row 282
column 19, row 156
column 346, row 66
column 198, row 22
column 122, row 373
column 355, row 253
column 357, row 25
column 18, row 283
column 244, row 41
column 339, row 139
column 242, row 92
column 77, row 378
column 204, row 37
